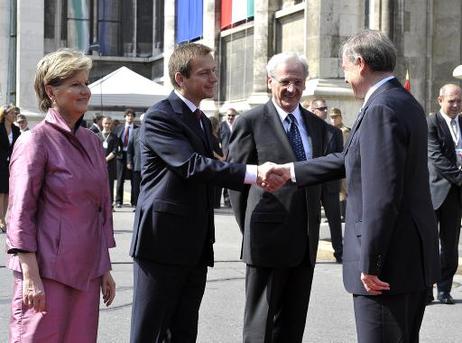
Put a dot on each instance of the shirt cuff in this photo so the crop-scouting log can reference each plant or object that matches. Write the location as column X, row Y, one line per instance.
column 292, row 172
column 250, row 174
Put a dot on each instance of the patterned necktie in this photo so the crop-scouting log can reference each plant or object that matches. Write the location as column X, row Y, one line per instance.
column 126, row 135
column 294, row 138
column 455, row 131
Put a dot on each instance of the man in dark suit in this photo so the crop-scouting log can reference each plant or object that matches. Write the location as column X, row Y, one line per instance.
column 226, row 128
column 97, row 124
column 390, row 255
column 173, row 231
column 124, row 133
column 280, row 230
column 330, row 200
column 134, row 161
column 444, row 164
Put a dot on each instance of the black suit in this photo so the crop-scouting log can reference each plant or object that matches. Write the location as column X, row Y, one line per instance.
column 330, row 193
column 122, row 172
column 390, row 226
column 225, row 134
column 280, row 230
column 134, row 158
column 174, row 222
column 111, row 146
column 5, row 153
column 445, row 187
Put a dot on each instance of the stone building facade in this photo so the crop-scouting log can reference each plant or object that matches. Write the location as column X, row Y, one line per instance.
column 141, row 35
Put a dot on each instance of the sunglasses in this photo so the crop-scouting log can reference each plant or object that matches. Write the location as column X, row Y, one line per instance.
column 324, row 108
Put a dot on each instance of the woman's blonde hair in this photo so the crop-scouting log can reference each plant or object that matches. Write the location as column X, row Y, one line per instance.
column 5, row 109
column 56, row 67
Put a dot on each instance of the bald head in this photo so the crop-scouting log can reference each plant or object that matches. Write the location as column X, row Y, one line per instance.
column 450, row 100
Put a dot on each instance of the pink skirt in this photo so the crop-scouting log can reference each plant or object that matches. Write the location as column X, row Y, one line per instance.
column 71, row 315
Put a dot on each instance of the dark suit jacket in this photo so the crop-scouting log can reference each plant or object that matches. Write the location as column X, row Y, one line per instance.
column 390, row 226
column 225, row 134
column 133, row 150
column 442, row 160
column 277, row 227
column 5, row 148
column 334, row 144
column 94, row 128
column 174, row 221
column 112, row 146
column 119, row 132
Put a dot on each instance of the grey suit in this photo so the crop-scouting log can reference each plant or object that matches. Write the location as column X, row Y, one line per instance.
column 280, row 230
column 445, row 187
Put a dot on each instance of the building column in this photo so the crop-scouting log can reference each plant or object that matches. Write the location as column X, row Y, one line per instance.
column 30, row 49
column 169, row 37
column 263, row 48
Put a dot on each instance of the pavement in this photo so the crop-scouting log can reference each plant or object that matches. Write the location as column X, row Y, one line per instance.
column 330, row 316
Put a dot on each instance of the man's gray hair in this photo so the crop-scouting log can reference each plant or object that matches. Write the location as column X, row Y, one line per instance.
column 448, row 87
column 374, row 47
column 285, row 57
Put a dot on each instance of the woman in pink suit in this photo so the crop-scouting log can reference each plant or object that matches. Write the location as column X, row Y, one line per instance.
column 60, row 217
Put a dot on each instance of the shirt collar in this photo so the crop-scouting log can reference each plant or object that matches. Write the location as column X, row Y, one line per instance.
column 283, row 114
column 188, row 103
column 447, row 118
column 375, row 87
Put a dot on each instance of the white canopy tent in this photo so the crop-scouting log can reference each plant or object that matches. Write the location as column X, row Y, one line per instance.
column 124, row 88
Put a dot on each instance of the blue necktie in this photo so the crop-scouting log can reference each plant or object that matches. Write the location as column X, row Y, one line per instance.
column 294, row 138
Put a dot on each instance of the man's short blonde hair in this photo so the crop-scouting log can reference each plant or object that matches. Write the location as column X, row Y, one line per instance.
column 56, row 67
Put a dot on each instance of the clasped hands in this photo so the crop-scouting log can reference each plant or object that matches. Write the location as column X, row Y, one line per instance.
column 271, row 176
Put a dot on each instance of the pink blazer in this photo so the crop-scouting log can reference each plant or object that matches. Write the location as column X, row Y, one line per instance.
column 59, row 203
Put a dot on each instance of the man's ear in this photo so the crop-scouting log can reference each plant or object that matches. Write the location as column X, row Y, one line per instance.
column 361, row 63
column 179, row 79
column 269, row 81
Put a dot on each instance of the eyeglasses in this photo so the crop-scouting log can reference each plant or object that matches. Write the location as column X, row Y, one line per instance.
column 286, row 83
column 323, row 108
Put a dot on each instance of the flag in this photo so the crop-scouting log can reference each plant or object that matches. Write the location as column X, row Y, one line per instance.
column 407, row 83
column 234, row 11
column 189, row 20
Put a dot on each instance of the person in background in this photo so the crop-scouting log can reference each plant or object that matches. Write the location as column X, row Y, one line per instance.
column 59, row 213
column 97, row 124
column 226, row 127
column 217, row 153
column 336, row 120
column 445, row 164
column 111, row 146
column 21, row 122
column 330, row 190
column 9, row 133
column 124, row 132
column 134, row 161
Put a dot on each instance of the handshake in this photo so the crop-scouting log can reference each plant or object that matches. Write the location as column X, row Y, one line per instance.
column 271, row 176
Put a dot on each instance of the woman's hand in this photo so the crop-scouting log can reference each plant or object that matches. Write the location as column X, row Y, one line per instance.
column 33, row 292
column 108, row 288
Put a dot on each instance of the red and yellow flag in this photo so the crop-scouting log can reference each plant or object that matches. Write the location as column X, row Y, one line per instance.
column 407, row 83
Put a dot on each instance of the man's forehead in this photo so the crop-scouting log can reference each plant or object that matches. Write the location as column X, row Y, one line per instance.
column 203, row 62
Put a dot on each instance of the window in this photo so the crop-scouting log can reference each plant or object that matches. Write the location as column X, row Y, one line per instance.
column 237, row 66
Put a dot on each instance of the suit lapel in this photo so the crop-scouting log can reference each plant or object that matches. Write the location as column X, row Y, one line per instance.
column 190, row 120
column 272, row 117
column 444, row 127
column 393, row 83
